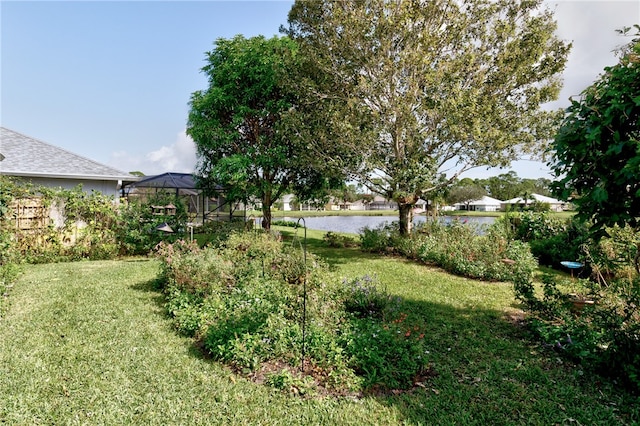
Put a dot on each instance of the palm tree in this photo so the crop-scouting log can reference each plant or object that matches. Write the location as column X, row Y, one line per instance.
column 526, row 196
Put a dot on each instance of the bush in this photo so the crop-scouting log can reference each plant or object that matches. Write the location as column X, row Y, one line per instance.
column 614, row 256
column 458, row 248
column 336, row 240
column 136, row 229
column 603, row 336
column 387, row 355
column 192, row 270
column 286, row 223
column 216, row 232
column 88, row 226
column 10, row 257
column 243, row 302
column 377, row 240
column 364, row 299
column 552, row 239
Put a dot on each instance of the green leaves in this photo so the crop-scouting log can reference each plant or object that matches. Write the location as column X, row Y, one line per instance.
column 597, row 149
column 432, row 88
column 245, row 126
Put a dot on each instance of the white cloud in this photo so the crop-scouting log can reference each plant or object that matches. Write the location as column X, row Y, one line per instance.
column 591, row 27
column 178, row 157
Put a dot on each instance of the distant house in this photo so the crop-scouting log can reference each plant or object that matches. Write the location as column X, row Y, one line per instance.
column 484, row 204
column 288, row 202
column 335, row 204
column 381, row 203
column 47, row 165
column 519, row 202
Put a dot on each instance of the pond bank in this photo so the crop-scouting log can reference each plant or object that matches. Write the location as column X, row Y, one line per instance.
column 354, row 224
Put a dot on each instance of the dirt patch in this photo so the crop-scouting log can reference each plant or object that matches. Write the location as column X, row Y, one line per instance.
column 315, row 382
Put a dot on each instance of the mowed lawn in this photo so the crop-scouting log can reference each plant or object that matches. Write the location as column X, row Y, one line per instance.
column 90, row 343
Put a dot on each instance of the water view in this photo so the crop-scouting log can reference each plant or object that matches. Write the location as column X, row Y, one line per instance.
column 353, row 224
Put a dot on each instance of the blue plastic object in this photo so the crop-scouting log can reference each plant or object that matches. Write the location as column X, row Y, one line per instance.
column 571, row 265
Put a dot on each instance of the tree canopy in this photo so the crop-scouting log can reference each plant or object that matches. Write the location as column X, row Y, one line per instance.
column 509, row 185
column 240, row 124
column 465, row 192
column 597, row 149
column 431, row 88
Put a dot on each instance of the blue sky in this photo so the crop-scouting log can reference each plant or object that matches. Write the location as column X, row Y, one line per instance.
column 112, row 80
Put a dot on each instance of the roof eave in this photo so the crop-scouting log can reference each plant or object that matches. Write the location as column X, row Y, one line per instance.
column 114, row 178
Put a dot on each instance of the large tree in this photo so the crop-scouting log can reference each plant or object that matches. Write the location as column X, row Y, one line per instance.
column 465, row 192
column 597, row 149
column 241, row 124
column 508, row 185
column 430, row 88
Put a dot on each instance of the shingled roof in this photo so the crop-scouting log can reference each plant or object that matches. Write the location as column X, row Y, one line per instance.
column 26, row 156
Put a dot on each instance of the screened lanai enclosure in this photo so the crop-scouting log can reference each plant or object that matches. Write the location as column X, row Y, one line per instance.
column 200, row 207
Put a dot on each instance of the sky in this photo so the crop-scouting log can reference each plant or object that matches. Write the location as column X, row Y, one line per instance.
column 112, row 80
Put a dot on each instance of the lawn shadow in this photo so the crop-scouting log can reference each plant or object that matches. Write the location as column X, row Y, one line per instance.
column 484, row 367
column 153, row 286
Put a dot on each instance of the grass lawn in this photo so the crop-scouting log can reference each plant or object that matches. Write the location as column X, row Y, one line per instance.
column 89, row 343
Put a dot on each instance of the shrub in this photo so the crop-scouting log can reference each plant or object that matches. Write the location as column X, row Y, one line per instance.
column 377, row 240
column 196, row 271
column 244, row 302
column 614, row 256
column 216, row 232
column 286, row 223
column 88, row 225
column 336, row 240
column 291, row 382
column 387, row 355
column 186, row 309
column 603, row 336
column 10, row 256
column 531, row 225
column 136, row 229
column 364, row 300
column 552, row 239
column 459, row 249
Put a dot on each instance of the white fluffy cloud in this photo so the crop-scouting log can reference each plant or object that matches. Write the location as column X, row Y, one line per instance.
column 591, row 27
column 178, row 157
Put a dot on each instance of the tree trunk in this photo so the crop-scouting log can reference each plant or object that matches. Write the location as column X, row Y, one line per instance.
column 266, row 217
column 266, row 212
column 406, row 218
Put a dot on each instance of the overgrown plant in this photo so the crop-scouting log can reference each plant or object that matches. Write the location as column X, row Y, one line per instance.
column 335, row 240
column 552, row 239
column 364, row 299
column 244, row 303
column 458, row 248
column 595, row 325
column 84, row 225
column 137, row 224
column 77, row 224
column 9, row 256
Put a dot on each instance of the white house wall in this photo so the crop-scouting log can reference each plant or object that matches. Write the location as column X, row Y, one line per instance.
column 106, row 187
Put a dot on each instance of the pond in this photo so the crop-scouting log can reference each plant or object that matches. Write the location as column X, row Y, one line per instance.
column 353, row 224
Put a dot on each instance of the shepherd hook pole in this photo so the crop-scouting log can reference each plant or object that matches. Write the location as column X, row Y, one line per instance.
column 304, row 291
